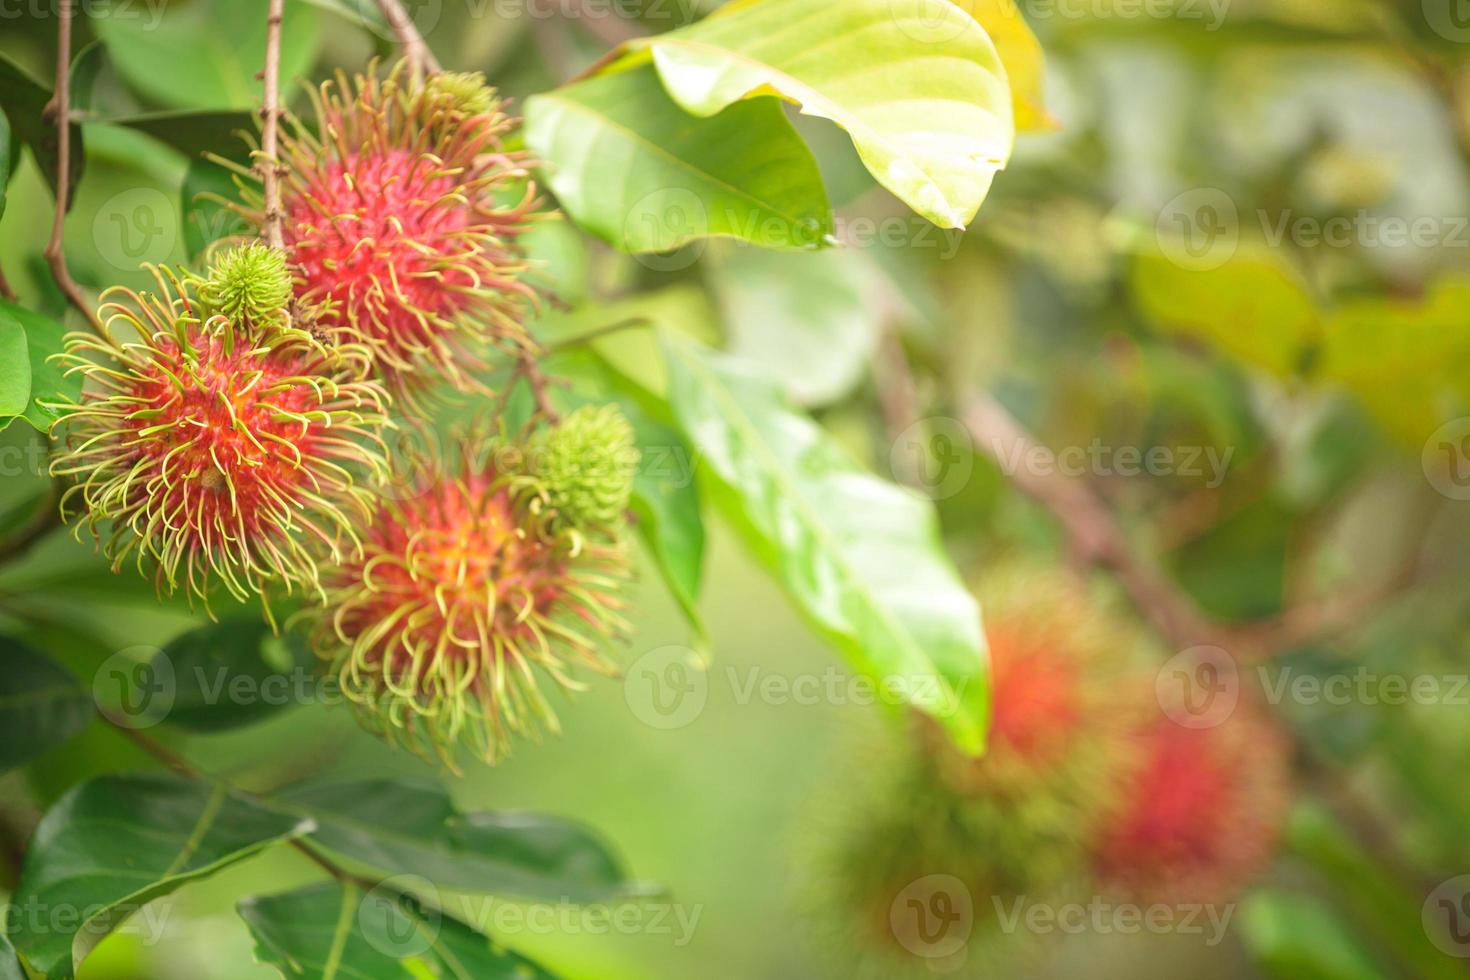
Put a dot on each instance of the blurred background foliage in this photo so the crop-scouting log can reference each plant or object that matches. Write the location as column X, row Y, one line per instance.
column 1128, row 283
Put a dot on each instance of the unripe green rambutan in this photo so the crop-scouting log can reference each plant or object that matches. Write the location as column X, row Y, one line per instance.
column 401, row 214
column 223, row 459
column 250, row 286
column 583, row 469
column 461, row 599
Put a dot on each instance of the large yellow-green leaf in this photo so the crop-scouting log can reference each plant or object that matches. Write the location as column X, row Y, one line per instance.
column 1252, row 307
column 1406, row 360
column 861, row 558
column 1022, row 56
column 633, row 168
column 916, row 83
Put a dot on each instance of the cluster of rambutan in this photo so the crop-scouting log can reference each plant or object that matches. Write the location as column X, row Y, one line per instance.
column 229, row 434
column 1087, row 789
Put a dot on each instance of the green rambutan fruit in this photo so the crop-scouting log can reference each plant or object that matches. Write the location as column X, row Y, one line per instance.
column 250, row 286
column 460, row 601
column 222, row 458
column 581, row 470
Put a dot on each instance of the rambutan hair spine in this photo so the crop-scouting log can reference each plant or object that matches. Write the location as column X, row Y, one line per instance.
column 226, row 457
column 467, row 595
column 401, row 215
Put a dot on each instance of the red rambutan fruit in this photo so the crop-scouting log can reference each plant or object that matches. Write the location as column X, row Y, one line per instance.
column 222, row 459
column 462, row 596
column 1201, row 813
column 401, row 214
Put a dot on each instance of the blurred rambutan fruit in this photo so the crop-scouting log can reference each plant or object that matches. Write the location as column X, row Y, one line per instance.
column 463, row 598
column 221, row 458
column 1201, row 813
column 582, row 469
column 401, row 215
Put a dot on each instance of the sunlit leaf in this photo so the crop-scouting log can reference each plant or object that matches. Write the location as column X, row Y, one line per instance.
column 47, row 379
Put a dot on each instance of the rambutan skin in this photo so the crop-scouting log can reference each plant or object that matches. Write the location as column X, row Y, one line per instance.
column 461, row 598
column 1202, row 811
column 401, row 215
column 221, row 459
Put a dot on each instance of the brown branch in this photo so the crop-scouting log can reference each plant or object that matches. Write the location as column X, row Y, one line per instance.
column 60, row 109
column 415, row 49
column 270, row 115
column 6, row 292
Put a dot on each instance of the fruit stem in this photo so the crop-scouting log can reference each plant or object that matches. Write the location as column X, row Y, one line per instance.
column 415, row 49
column 270, row 126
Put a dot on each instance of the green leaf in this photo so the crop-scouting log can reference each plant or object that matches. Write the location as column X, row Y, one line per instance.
column 918, row 86
column 15, row 368
column 24, row 101
column 637, row 171
column 206, row 54
column 232, row 673
column 115, row 843
column 194, row 133
column 1295, row 937
column 48, row 381
column 41, row 704
column 336, row 931
column 861, row 558
column 1252, row 307
column 811, row 323
column 414, row 828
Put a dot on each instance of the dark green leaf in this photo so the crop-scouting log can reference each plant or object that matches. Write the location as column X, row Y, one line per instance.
column 196, row 132
column 206, row 54
column 41, row 704
column 233, row 673
column 24, row 101
column 115, row 843
column 334, row 930
column 85, row 67
column 414, row 828
column 48, row 380
column 633, row 168
column 7, row 158
column 861, row 558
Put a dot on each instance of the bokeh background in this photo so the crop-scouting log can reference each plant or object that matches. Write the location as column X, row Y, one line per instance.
column 1246, row 236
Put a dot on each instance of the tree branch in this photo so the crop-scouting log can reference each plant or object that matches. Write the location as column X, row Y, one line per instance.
column 270, row 113
column 60, row 110
column 415, row 49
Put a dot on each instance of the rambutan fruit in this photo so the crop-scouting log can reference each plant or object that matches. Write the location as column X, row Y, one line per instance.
column 401, row 215
column 250, row 286
column 1201, row 812
column 222, row 458
column 462, row 596
column 583, row 469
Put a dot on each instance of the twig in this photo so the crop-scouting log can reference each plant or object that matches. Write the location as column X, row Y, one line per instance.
column 415, row 49
column 597, row 334
column 60, row 109
column 528, row 366
column 270, row 176
column 5, row 291
column 897, row 394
